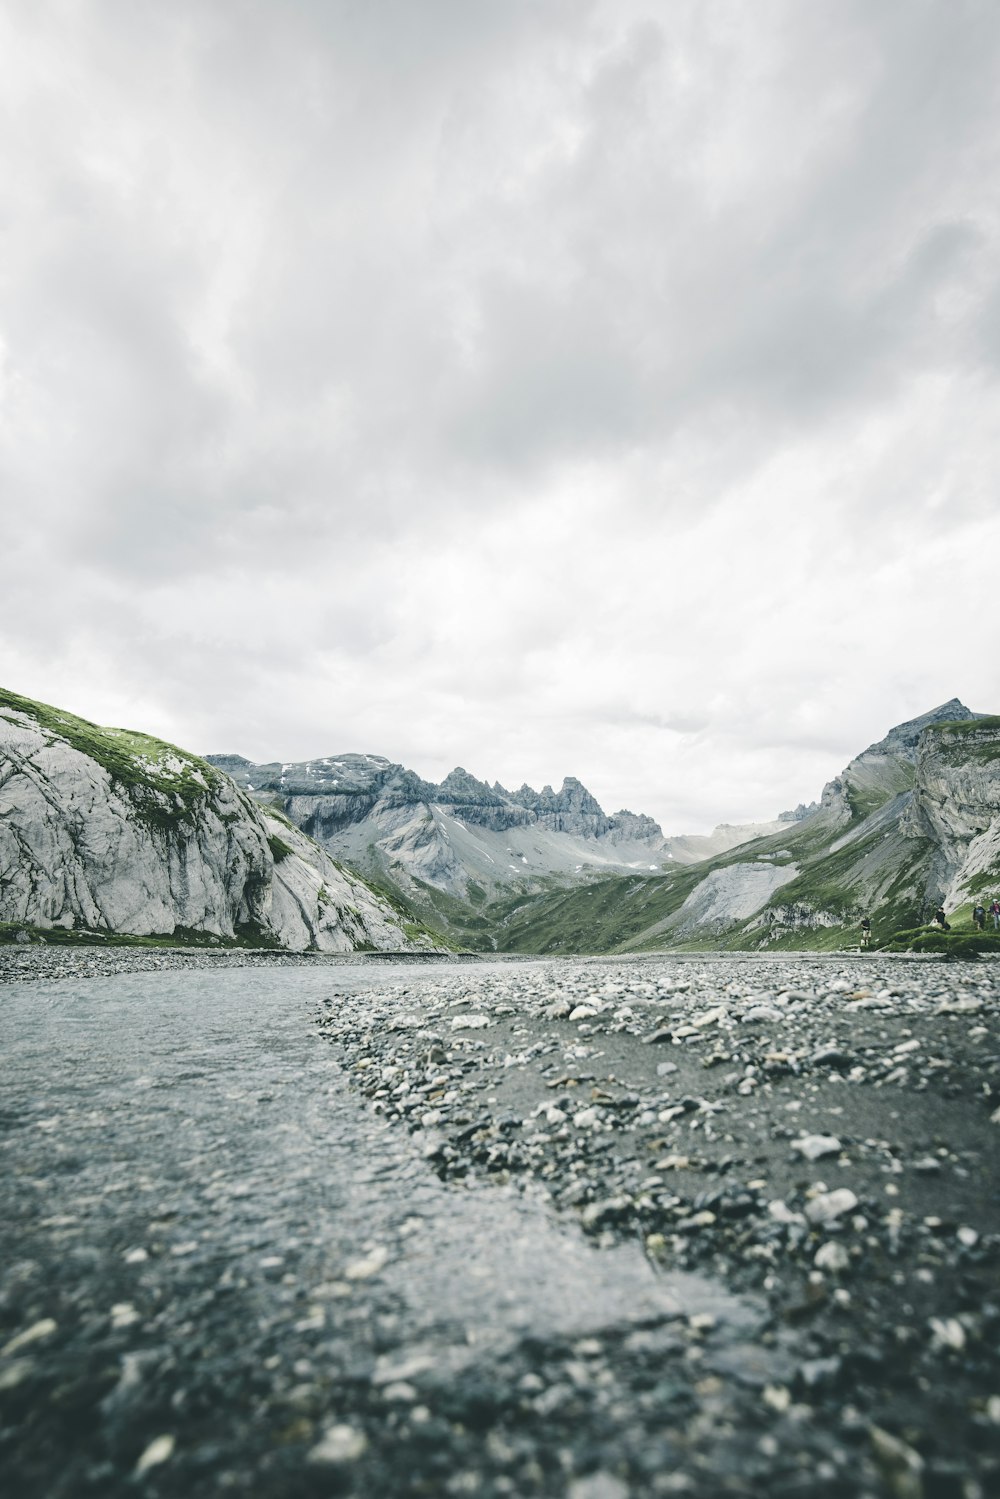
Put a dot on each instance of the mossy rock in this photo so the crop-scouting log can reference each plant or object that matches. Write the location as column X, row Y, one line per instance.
column 964, row 944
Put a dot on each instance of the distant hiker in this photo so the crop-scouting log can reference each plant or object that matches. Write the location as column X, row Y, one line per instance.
column 979, row 917
column 942, row 919
column 866, row 930
column 995, row 913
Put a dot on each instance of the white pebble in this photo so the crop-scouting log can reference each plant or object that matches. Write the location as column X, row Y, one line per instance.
column 339, row 1444
column 158, row 1451
column 815, row 1147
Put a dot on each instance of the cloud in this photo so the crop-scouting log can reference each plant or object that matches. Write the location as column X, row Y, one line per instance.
column 564, row 388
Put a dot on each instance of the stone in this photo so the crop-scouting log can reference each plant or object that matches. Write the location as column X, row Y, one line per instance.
column 947, row 1332
column 832, row 1256
column 598, row 1486
column 160, row 1450
column 815, row 1147
column 710, row 1017
column 599, row 1212
column 33, row 1334
column 902, row 1466
column 829, row 1206
column 338, row 1445
column 369, row 1265
column 782, row 1213
column 830, row 1056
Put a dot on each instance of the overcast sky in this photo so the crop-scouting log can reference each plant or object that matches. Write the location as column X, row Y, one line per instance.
column 543, row 386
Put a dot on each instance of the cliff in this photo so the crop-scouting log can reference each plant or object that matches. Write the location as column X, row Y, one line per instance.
column 956, row 806
column 114, row 831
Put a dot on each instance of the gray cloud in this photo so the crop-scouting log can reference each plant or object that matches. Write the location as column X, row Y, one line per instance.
column 549, row 387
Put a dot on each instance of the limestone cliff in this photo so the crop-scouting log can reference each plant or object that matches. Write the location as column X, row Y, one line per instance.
column 114, row 831
column 956, row 807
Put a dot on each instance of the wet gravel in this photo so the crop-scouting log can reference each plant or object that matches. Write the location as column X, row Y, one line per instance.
column 596, row 1229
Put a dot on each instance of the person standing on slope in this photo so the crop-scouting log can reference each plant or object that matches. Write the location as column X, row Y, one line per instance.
column 942, row 919
column 979, row 916
column 995, row 913
column 866, row 931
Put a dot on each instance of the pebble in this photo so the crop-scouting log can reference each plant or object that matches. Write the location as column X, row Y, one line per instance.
column 339, row 1444
column 699, row 1162
column 828, row 1206
column 33, row 1334
column 598, row 1486
column 369, row 1265
column 815, row 1147
column 832, row 1256
column 947, row 1332
column 160, row 1450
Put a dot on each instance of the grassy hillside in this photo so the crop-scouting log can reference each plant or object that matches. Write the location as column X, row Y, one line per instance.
column 165, row 783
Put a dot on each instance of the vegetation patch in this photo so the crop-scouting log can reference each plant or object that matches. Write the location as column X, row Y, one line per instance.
column 970, row 746
column 165, row 784
column 825, row 884
column 864, row 803
column 986, row 880
column 408, row 914
column 279, row 848
column 963, row 944
column 607, row 915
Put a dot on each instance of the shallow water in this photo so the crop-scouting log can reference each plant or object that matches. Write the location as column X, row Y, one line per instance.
column 202, row 1121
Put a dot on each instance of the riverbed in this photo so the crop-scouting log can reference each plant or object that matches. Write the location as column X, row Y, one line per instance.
column 602, row 1228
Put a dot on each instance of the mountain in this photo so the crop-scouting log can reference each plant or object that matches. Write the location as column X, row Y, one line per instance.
column 106, row 831
column 448, row 849
column 110, row 831
column 911, row 822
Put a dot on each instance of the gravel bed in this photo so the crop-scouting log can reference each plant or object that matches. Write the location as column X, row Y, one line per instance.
column 24, row 963
column 817, row 1135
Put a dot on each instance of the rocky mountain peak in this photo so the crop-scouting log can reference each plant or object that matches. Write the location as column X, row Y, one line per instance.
column 799, row 813
column 574, row 797
column 459, row 788
column 902, row 740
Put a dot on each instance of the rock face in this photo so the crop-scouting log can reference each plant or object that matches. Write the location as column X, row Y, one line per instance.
column 118, row 832
column 729, row 895
column 460, row 833
column 956, row 806
column 887, row 768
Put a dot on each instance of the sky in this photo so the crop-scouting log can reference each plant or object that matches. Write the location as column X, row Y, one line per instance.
column 549, row 387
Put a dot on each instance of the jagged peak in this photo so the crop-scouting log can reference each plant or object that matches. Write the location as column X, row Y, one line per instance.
column 461, row 787
column 902, row 738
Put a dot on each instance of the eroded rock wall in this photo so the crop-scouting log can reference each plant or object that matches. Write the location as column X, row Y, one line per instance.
column 159, row 840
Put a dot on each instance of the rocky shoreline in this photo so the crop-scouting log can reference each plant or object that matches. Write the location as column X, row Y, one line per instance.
column 593, row 1229
column 32, row 963
column 818, row 1137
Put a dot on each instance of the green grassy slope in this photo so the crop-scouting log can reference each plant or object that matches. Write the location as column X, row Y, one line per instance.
column 165, row 784
column 878, row 869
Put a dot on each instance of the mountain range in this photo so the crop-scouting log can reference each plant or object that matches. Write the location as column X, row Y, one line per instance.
column 111, row 832
column 910, row 821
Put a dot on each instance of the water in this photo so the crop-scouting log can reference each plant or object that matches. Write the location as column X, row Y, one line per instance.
column 193, row 1194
